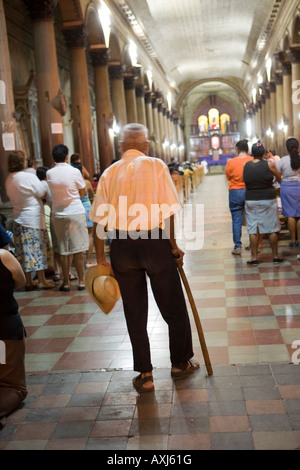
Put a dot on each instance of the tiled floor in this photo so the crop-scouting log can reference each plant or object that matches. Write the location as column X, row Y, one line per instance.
column 79, row 363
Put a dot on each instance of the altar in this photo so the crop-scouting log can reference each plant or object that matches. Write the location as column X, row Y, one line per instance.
column 214, row 139
column 214, row 147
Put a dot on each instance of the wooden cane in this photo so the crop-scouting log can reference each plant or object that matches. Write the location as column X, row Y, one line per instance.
column 196, row 316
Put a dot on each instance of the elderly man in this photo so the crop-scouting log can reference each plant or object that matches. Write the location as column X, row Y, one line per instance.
column 136, row 200
column 67, row 186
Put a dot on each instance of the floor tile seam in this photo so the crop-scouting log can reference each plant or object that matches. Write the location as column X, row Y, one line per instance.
column 130, row 433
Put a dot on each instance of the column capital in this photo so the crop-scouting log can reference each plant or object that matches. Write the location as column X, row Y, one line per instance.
column 251, row 108
column 160, row 106
column 278, row 78
column 272, row 86
column 148, row 97
column 116, row 71
column 294, row 54
column 140, row 91
column 262, row 99
column 154, row 102
column 267, row 92
column 75, row 36
column 133, row 70
column 283, row 58
column 286, row 68
column 259, row 103
column 99, row 56
column 164, row 110
column 280, row 56
column 129, row 82
column 41, row 9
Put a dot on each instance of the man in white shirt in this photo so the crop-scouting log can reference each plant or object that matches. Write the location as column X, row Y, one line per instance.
column 137, row 200
column 67, row 186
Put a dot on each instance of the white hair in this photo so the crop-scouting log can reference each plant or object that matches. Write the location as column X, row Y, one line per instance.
column 134, row 128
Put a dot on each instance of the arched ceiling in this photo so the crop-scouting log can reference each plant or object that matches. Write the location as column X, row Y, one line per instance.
column 198, row 40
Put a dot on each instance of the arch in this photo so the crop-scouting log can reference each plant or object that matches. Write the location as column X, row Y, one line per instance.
column 223, row 105
column 93, row 25
column 114, row 48
column 126, row 55
column 273, row 67
column 230, row 83
column 296, row 30
column 146, row 81
column 286, row 42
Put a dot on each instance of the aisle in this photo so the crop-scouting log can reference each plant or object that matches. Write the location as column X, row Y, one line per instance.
column 249, row 314
column 79, row 366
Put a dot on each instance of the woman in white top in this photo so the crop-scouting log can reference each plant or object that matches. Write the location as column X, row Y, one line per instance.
column 31, row 239
column 289, row 167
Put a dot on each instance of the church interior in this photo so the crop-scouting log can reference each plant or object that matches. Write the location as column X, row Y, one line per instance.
column 201, row 75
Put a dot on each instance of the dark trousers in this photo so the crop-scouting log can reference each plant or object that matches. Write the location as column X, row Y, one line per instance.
column 131, row 261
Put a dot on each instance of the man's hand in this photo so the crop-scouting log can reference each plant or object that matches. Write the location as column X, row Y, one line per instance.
column 178, row 255
column 104, row 262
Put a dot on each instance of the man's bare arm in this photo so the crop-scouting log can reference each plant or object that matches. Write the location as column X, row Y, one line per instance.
column 173, row 242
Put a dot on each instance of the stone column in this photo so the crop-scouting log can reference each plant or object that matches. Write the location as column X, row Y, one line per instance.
column 156, row 126
column 129, row 84
column 259, row 118
column 263, row 116
column 140, row 104
column 116, row 75
column 171, row 133
column 166, row 133
column 51, row 100
column 175, row 137
column 182, row 140
column 287, row 97
column 161, row 129
column 149, row 121
column 279, row 113
column 294, row 54
column 7, row 107
column 272, row 115
column 100, row 57
column 255, row 119
column 267, row 116
column 75, row 38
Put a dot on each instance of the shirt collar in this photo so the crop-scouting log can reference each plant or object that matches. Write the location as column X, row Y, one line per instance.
column 131, row 154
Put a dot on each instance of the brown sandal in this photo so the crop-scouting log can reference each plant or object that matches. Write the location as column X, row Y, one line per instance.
column 138, row 383
column 184, row 368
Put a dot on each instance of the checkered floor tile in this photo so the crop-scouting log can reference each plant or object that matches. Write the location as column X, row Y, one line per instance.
column 79, row 361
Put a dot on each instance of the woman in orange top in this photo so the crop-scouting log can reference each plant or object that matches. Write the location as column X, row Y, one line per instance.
column 234, row 173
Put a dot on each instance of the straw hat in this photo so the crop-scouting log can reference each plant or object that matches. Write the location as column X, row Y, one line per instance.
column 102, row 287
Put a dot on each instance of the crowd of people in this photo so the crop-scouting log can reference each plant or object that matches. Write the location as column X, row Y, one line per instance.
column 51, row 229
column 262, row 184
